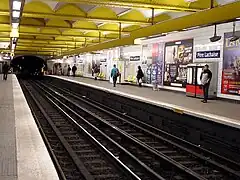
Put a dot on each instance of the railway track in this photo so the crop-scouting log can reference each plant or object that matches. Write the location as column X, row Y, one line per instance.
column 77, row 153
column 185, row 157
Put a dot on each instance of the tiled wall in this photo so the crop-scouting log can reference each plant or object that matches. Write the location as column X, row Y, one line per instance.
column 202, row 43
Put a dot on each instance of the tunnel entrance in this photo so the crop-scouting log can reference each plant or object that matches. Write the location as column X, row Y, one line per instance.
column 28, row 65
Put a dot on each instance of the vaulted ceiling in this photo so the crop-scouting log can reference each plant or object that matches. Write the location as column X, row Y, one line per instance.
column 54, row 27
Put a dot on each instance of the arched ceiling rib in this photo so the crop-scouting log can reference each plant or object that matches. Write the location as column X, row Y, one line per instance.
column 69, row 24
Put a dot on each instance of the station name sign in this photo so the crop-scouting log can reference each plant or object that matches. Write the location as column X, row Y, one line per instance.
column 208, row 54
column 134, row 58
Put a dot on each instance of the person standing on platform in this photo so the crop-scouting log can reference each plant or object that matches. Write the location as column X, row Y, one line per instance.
column 68, row 70
column 74, row 69
column 205, row 78
column 140, row 75
column 5, row 71
column 114, row 75
column 95, row 71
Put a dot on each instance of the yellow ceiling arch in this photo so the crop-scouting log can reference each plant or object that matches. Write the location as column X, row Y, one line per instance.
column 32, row 21
column 81, row 39
column 4, row 5
column 30, row 30
column 44, row 37
column 215, row 15
column 180, row 3
column 133, row 15
column 132, row 28
column 57, row 23
column 79, row 22
column 84, row 24
column 64, row 38
column 103, row 12
column 5, row 30
column 50, row 31
column 4, row 19
column 112, row 35
column 70, row 9
column 161, row 17
column 110, row 26
column 72, row 32
column 37, row 6
column 202, row 3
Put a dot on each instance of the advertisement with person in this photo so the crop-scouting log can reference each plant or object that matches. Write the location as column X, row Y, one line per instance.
column 147, row 62
column 157, row 64
column 231, row 65
column 178, row 55
column 153, row 63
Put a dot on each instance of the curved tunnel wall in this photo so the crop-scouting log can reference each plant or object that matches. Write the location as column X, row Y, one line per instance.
column 28, row 64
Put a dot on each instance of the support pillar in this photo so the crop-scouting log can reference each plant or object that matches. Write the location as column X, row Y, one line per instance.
column 152, row 16
column 120, row 30
column 99, row 36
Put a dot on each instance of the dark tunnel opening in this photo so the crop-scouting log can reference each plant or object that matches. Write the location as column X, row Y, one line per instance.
column 28, row 66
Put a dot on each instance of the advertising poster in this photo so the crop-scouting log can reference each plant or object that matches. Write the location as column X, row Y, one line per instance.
column 231, row 65
column 153, row 63
column 147, row 62
column 178, row 55
column 157, row 63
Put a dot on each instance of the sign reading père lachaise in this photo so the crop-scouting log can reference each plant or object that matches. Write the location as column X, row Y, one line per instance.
column 208, row 54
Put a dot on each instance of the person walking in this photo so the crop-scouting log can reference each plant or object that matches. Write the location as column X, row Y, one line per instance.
column 114, row 74
column 96, row 71
column 5, row 71
column 205, row 78
column 74, row 69
column 68, row 70
column 140, row 75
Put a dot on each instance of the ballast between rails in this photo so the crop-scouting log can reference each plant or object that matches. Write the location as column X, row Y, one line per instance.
column 236, row 174
column 210, row 158
column 146, row 171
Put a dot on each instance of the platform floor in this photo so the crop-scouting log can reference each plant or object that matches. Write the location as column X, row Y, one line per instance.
column 215, row 109
column 23, row 155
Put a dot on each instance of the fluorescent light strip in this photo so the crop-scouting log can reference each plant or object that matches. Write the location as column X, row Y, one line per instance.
column 17, row 5
column 16, row 14
column 15, row 25
column 13, row 46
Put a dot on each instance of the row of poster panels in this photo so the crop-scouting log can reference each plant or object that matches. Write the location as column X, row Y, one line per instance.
column 172, row 63
column 166, row 64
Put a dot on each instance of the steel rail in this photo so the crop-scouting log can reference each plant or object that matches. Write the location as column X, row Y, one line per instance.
column 212, row 162
column 51, row 99
column 163, row 157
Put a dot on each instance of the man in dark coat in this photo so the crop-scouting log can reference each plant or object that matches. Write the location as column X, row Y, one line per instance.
column 205, row 78
column 5, row 70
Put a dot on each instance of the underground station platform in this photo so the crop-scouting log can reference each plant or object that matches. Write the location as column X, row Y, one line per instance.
column 24, row 150
column 72, row 128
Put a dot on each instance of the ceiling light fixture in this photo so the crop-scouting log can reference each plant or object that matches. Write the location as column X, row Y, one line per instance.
column 17, row 5
column 13, row 46
column 16, row 14
column 15, row 25
column 14, row 33
column 215, row 37
column 234, row 36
